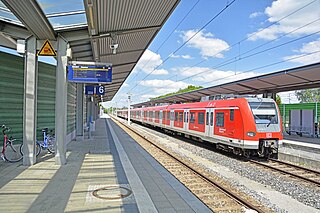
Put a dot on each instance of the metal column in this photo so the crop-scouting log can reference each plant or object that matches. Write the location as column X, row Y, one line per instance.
column 89, row 115
column 61, row 102
column 30, row 102
column 129, row 102
column 79, row 119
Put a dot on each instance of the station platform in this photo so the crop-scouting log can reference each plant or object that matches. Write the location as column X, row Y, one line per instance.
column 108, row 173
column 301, row 150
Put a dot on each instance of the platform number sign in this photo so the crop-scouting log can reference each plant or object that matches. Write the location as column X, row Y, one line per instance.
column 100, row 90
column 94, row 90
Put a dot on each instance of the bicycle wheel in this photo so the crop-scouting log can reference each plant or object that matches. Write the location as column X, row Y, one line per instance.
column 38, row 149
column 11, row 153
column 51, row 144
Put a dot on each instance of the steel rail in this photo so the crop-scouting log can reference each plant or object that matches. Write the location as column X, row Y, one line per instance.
column 214, row 183
column 296, row 166
column 287, row 172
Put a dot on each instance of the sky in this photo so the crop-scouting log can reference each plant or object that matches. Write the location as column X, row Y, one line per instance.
column 206, row 43
column 248, row 35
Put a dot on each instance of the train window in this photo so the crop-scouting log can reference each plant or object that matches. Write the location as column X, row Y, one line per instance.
column 220, row 119
column 231, row 114
column 185, row 117
column 192, row 117
column 168, row 116
column 160, row 115
column 207, row 118
column 211, row 118
column 181, row 116
column 176, row 116
column 200, row 118
column 264, row 112
column 172, row 116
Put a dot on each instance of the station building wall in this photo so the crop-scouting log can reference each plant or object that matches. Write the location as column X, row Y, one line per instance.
column 11, row 96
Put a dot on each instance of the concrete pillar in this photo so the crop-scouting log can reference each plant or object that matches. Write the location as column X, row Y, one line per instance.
column 79, row 111
column 61, row 102
column 30, row 102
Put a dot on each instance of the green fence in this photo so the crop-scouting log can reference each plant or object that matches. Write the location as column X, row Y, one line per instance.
column 11, row 96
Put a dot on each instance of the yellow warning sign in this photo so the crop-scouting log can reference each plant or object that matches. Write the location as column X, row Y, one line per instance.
column 47, row 49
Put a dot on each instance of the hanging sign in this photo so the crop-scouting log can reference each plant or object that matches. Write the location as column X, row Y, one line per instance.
column 47, row 49
column 94, row 90
column 90, row 74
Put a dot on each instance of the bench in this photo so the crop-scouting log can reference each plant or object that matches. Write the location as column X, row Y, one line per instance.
column 299, row 130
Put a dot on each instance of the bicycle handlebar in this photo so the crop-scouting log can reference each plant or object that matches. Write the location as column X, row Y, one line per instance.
column 5, row 128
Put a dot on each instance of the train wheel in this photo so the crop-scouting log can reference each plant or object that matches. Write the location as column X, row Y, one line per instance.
column 246, row 154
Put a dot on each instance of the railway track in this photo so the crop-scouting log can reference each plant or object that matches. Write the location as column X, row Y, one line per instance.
column 302, row 173
column 212, row 191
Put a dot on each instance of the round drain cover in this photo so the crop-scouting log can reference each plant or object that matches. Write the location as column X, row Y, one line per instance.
column 112, row 192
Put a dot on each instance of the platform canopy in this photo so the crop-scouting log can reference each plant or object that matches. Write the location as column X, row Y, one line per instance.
column 132, row 24
column 304, row 77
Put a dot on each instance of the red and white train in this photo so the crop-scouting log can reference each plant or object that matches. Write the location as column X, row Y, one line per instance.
column 245, row 126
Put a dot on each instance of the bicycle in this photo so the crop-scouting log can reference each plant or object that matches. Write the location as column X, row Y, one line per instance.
column 47, row 143
column 9, row 152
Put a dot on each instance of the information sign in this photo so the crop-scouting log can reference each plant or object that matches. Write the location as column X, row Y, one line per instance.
column 100, row 90
column 90, row 74
column 94, row 90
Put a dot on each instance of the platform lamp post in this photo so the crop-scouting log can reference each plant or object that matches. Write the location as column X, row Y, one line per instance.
column 129, row 101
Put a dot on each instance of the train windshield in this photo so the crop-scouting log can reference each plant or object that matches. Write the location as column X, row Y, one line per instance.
column 264, row 112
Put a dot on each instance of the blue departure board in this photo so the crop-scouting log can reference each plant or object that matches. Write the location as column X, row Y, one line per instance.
column 91, row 74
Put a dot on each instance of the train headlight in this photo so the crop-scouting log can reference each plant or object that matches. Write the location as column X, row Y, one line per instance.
column 251, row 134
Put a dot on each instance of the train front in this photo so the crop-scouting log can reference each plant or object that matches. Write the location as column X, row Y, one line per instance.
column 268, row 126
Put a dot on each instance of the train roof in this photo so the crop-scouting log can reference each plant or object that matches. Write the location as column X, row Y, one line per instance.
column 208, row 104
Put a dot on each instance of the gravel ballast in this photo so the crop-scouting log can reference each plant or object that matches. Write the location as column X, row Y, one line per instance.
column 276, row 192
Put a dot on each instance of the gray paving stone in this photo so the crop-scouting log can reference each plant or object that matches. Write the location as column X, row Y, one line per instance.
column 167, row 210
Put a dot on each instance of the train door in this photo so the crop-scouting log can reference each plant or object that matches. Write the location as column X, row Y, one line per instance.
column 160, row 117
column 185, row 119
column 231, row 124
column 171, row 118
column 210, row 122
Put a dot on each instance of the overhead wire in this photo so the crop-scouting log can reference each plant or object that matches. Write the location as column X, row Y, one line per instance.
column 232, row 60
column 213, row 18
column 268, row 65
column 251, row 35
column 167, row 38
column 228, row 48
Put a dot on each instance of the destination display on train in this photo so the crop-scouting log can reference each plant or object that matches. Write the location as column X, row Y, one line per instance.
column 92, row 74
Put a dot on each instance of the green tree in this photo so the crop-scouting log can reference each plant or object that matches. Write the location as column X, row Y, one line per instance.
column 187, row 89
column 308, row 95
column 278, row 100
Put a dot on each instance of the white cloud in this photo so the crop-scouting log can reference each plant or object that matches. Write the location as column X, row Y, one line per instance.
column 207, row 75
column 160, row 72
column 282, row 8
column 256, row 14
column 181, row 56
column 206, row 43
column 147, row 96
column 148, row 62
column 306, row 49
column 186, row 56
column 164, row 86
